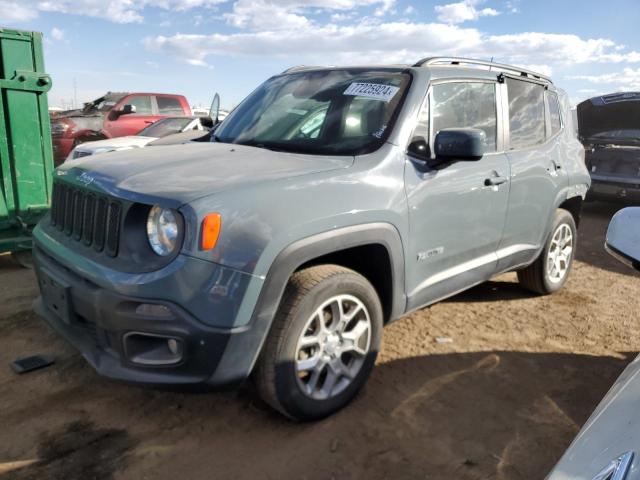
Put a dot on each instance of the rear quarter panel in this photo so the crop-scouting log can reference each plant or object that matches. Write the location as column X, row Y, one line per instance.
column 573, row 152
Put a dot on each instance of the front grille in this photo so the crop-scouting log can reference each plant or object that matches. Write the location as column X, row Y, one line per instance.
column 87, row 217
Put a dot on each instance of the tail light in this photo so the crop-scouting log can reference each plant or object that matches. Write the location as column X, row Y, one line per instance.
column 62, row 127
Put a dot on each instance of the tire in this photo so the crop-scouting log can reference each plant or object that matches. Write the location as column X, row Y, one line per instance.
column 543, row 275
column 24, row 258
column 315, row 393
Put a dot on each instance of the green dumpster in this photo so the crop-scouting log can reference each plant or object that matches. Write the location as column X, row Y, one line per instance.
column 26, row 156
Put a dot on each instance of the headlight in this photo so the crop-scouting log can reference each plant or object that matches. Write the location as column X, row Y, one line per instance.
column 162, row 230
column 59, row 128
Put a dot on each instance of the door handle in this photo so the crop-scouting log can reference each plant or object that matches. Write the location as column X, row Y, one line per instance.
column 554, row 167
column 495, row 181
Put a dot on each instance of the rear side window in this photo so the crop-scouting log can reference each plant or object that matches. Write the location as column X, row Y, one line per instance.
column 169, row 106
column 554, row 112
column 466, row 105
column 526, row 113
column 142, row 104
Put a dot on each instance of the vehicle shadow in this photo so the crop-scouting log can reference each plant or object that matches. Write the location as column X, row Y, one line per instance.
column 592, row 234
column 494, row 414
column 492, row 291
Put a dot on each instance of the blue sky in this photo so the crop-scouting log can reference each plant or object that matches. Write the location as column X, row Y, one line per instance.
column 198, row 47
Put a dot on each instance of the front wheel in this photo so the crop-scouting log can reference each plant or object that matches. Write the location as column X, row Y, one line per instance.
column 323, row 343
column 551, row 269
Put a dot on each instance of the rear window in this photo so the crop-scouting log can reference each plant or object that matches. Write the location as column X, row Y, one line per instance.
column 166, row 126
column 526, row 113
column 169, row 106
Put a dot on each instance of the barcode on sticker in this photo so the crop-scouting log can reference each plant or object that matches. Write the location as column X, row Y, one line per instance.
column 372, row 90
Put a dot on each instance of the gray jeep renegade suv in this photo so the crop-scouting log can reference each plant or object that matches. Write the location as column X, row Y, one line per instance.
column 329, row 203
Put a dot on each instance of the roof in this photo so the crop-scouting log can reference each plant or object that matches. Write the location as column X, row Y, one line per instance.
column 443, row 67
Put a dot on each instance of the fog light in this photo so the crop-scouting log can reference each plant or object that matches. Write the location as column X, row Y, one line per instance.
column 153, row 310
column 152, row 349
column 173, row 346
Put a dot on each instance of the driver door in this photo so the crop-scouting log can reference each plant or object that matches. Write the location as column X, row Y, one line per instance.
column 119, row 125
column 456, row 219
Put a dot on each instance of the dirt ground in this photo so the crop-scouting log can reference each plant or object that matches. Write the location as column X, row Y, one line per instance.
column 501, row 401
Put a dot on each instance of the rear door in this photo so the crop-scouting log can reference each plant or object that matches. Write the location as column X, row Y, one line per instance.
column 456, row 220
column 118, row 125
column 537, row 176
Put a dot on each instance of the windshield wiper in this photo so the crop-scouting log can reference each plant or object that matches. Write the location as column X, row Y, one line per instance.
column 254, row 143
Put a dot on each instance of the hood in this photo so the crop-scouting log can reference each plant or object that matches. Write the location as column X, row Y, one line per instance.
column 185, row 172
column 611, row 116
column 76, row 114
column 119, row 142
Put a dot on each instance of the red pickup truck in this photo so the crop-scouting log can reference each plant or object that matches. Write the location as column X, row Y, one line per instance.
column 113, row 115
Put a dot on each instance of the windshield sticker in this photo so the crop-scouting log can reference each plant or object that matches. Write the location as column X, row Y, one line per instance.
column 380, row 132
column 374, row 91
column 297, row 111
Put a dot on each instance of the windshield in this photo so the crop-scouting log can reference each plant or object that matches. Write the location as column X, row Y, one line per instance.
column 166, row 126
column 334, row 112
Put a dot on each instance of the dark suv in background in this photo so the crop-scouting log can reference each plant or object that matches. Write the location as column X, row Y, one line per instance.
column 609, row 128
column 114, row 115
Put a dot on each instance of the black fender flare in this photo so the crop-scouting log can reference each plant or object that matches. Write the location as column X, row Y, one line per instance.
column 244, row 346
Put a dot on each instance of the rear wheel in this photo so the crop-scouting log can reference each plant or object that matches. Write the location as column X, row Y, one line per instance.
column 323, row 343
column 551, row 269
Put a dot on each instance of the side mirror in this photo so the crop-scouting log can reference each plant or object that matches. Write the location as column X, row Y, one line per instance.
column 623, row 236
column 466, row 144
column 128, row 109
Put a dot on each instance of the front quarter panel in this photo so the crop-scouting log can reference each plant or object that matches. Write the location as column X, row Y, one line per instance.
column 261, row 221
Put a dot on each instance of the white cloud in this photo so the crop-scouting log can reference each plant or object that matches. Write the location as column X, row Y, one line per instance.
column 292, row 14
column 463, row 11
column 15, row 12
column 119, row 11
column 627, row 79
column 57, row 34
column 394, row 42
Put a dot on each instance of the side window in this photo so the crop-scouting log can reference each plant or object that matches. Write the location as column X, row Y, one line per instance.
column 466, row 105
column 554, row 112
column 169, row 106
column 526, row 113
column 142, row 104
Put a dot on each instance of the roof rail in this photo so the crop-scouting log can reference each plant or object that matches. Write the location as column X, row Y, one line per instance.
column 300, row 67
column 469, row 61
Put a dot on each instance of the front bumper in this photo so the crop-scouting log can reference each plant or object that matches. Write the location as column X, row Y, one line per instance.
column 101, row 322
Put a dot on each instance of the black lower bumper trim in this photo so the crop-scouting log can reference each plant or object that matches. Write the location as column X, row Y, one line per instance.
column 97, row 320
